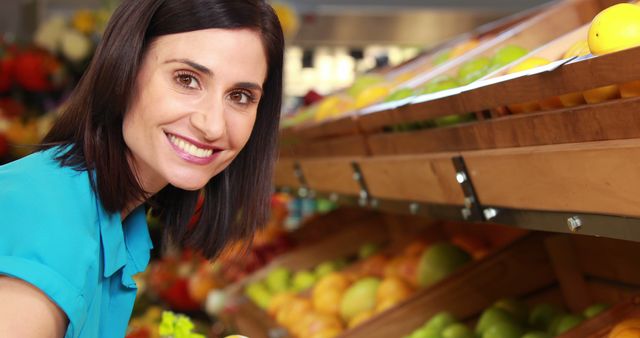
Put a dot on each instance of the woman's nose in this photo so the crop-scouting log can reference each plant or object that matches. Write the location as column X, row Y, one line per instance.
column 210, row 121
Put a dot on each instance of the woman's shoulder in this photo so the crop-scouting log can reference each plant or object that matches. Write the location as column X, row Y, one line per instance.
column 38, row 187
column 42, row 173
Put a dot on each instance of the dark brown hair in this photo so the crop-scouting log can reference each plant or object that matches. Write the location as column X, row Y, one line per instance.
column 90, row 129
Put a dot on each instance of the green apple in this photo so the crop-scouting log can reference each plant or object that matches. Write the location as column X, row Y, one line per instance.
column 517, row 309
column 303, row 280
column 542, row 314
column 259, row 294
column 506, row 55
column 473, row 70
column 438, row 261
column 453, row 119
column 325, row 268
column 400, row 94
column 503, row 330
column 595, row 309
column 442, row 57
column 278, row 279
column 491, row 317
column 367, row 250
column 457, row 330
column 424, row 332
column 537, row 334
column 439, row 322
column 567, row 322
column 438, row 84
column 359, row 297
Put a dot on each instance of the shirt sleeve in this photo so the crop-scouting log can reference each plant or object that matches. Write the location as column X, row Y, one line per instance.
column 44, row 242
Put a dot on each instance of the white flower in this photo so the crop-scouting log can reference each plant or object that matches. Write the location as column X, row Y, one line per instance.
column 75, row 46
column 49, row 33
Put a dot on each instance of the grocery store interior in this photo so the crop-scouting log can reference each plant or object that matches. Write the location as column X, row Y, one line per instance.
column 446, row 169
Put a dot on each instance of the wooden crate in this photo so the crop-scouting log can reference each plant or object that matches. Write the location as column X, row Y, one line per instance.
column 347, row 145
column 392, row 231
column 562, row 18
column 596, row 177
column 607, row 120
column 534, row 269
column 424, row 178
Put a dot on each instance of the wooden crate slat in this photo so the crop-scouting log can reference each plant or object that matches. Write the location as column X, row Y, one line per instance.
column 606, row 121
column 519, row 269
column 570, row 278
column 330, row 175
column 429, row 178
column 285, row 173
column 610, row 259
column 253, row 321
column 596, row 177
column 611, row 293
column 353, row 145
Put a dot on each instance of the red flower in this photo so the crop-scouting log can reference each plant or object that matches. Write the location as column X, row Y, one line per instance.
column 10, row 107
column 34, row 70
column 6, row 72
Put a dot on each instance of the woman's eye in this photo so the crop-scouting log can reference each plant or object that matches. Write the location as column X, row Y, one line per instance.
column 241, row 97
column 188, row 81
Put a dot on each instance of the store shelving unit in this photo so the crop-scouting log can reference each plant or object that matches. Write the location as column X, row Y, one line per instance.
column 564, row 171
column 527, row 167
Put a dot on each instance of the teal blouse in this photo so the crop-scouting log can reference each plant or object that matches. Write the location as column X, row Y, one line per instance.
column 55, row 235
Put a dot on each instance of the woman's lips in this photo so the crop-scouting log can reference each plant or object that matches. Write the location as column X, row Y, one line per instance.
column 192, row 151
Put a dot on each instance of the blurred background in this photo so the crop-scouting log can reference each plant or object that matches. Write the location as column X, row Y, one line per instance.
column 329, row 41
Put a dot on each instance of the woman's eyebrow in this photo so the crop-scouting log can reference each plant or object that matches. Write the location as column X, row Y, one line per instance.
column 193, row 64
column 249, row 85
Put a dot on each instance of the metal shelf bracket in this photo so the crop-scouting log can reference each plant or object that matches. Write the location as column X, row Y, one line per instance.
column 472, row 210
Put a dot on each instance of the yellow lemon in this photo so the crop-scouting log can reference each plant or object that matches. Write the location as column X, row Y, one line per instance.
column 372, row 95
column 529, row 63
column 333, row 106
column 579, row 48
column 615, row 28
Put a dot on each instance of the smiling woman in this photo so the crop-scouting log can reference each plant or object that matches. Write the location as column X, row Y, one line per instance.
column 181, row 99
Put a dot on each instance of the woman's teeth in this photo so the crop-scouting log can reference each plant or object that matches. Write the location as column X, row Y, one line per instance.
column 189, row 148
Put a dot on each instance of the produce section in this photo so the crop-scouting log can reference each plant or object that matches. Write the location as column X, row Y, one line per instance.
column 542, row 141
column 487, row 188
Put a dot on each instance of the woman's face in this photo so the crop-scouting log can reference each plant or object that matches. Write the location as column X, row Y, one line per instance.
column 195, row 104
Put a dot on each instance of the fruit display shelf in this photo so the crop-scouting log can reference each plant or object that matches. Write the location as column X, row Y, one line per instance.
column 403, row 238
column 570, row 271
column 549, row 165
column 350, row 135
column 423, row 62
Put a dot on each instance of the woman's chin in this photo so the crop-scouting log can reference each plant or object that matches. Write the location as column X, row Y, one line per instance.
column 188, row 185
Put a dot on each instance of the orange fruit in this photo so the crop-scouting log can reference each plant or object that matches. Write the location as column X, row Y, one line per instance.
column 630, row 89
column 628, row 328
column 601, row 94
column 572, row 99
column 393, row 288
